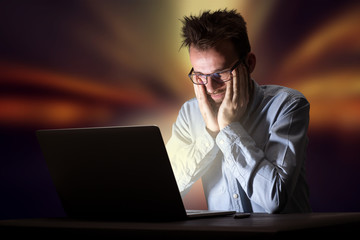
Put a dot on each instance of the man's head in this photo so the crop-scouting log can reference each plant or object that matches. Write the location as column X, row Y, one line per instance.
column 216, row 42
column 210, row 28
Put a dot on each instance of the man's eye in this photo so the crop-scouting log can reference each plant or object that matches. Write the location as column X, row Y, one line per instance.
column 217, row 74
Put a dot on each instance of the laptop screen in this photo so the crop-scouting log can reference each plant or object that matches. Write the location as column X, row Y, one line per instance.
column 112, row 173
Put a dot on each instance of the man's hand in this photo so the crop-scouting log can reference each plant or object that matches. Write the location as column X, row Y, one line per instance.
column 207, row 110
column 236, row 98
column 232, row 107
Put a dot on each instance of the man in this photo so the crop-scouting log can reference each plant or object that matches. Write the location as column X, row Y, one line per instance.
column 247, row 142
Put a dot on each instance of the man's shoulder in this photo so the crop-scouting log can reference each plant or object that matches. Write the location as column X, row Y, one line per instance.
column 190, row 107
column 282, row 92
column 190, row 112
column 191, row 104
column 191, row 101
column 282, row 100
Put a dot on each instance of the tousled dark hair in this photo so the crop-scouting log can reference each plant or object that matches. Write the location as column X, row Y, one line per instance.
column 210, row 28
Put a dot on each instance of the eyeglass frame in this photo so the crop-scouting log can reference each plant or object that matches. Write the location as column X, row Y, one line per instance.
column 209, row 75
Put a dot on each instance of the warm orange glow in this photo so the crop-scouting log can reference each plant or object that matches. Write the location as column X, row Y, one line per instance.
column 27, row 76
column 92, row 101
column 338, row 36
column 318, row 68
column 49, row 112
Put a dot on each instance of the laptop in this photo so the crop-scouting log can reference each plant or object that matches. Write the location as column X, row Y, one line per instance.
column 114, row 173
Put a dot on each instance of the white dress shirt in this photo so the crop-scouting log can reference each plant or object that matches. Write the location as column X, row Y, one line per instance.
column 253, row 165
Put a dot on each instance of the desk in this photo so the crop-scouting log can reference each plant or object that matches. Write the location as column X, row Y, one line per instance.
column 267, row 226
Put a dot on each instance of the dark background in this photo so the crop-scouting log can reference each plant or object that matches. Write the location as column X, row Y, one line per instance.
column 101, row 63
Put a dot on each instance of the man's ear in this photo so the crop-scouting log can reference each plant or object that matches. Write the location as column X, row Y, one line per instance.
column 250, row 61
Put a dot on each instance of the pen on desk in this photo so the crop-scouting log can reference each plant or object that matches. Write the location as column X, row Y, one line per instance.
column 241, row 215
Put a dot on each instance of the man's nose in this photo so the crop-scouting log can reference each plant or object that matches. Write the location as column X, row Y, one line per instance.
column 212, row 85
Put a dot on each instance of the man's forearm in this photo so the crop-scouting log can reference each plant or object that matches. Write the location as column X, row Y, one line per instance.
column 191, row 160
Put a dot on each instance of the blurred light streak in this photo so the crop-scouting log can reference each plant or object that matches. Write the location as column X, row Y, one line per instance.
column 256, row 13
column 123, row 43
column 72, row 100
column 135, row 46
column 19, row 112
column 325, row 67
column 337, row 36
column 334, row 103
column 21, row 75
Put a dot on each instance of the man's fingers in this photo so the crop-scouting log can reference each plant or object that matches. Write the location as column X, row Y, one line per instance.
column 206, row 109
column 199, row 92
column 196, row 91
column 228, row 92
column 235, row 85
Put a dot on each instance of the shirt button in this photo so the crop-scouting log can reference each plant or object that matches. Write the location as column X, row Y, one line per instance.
column 221, row 142
column 235, row 195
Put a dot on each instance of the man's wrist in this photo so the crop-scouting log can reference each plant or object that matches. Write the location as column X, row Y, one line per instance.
column 212, row 133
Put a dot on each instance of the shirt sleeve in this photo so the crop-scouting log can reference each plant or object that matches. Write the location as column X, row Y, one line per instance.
column 268, row 174
column 190, row 153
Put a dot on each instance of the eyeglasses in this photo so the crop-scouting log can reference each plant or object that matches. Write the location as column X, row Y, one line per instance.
column 220, row 77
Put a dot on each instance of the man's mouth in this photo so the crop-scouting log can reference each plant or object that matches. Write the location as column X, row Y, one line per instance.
column 218, row 95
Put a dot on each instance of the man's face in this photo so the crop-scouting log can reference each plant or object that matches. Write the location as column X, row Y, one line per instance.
column 212, row 60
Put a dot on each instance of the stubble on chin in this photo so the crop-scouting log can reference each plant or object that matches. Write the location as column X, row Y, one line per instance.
column 215, row 105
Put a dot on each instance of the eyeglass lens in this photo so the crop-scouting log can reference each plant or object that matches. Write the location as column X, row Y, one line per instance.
column 219, row 77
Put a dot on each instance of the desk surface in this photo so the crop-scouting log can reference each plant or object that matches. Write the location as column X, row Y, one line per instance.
column 257, row 225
